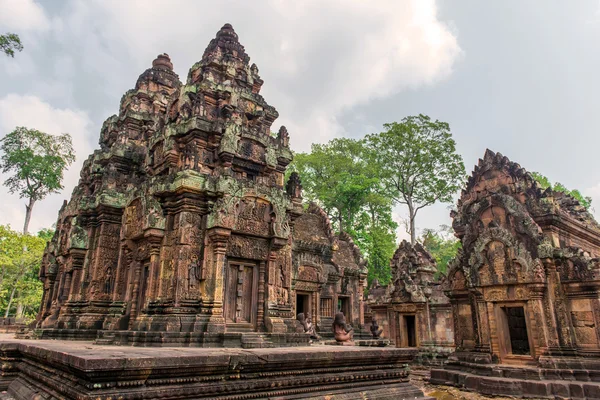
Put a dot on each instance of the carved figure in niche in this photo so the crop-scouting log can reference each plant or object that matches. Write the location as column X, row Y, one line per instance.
column 108, row 283
column 375, row 330
column 194, row 273
column 341, row 331
column 307, row 325
column 282, row 292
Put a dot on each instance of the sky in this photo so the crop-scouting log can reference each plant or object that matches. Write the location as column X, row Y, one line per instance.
column 520, row 78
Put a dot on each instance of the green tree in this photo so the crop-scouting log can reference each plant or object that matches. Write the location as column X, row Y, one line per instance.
column 339, row 178
column 20, row 260
column 418, row 163
column 9, row 43
column 545, row 183
column 37, row 162
column 442, row 245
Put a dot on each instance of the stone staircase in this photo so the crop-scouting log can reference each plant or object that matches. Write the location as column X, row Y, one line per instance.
column 106, row 338
column 253, row 340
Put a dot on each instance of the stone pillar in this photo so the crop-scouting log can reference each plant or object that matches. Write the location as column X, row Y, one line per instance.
column 215, row 260
column 260, row 313
column 458, row 337
column 556, row 308
column 77, row 261
column 361, row 303
column 494, row 347
column 133, row 311
column 483, row 318
column 595, row 303
column 536, row 303
column 153, row 280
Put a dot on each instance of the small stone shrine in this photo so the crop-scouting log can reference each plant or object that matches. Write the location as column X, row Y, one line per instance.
column 188, row 178
column 413, row 310
column 524, row 289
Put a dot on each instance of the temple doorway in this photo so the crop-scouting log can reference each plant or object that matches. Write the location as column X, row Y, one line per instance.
column 240, row 302
column 408, row 337
column 302, row 303
column 517, row 331
column 344, row 306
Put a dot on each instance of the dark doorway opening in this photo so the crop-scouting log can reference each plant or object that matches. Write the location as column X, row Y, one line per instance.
column 517, row 330
column 410, row 337
column 344, row 306
column 302, row 304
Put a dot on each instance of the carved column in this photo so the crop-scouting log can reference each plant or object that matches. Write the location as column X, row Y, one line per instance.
column 595, row 302
column 361, row 303
column 494, row 347
column 458, row 337
column 137, row 265
column 78, row 259
column 556, row 307
column 260, row 313
column 483, row 324
column 214, row 284
column 155, row 242
column 536, row 303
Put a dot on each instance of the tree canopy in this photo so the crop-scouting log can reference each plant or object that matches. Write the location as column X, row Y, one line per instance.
column 37, row 162
column 10, row 42
column 339, row 178
column 545, row 183
column 442, row 245
column 417, row 162
column 20, row 260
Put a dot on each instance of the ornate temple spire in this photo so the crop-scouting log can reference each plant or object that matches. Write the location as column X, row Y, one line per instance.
column 161, row 72
column 162, row 61
column 225, row 46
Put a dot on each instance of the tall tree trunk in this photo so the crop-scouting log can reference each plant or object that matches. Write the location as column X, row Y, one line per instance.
column 20, row 310
column 412, row 214
column 10, row 300
column 28, row 209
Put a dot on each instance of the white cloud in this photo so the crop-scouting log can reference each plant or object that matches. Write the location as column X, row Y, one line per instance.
column 22, row 15
column 32, row 112
column 317, row 58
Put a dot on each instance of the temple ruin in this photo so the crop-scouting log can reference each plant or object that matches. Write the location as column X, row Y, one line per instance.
column 413, row 310
column 190, row 178
column 184, row 232
column 524, row 289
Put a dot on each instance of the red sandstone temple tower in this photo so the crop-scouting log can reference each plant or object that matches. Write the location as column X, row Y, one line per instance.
column 181, row 228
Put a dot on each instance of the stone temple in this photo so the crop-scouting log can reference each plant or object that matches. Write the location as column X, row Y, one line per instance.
column 524, row 289
column 413, row 310
column 182, row 229
column 184, row 232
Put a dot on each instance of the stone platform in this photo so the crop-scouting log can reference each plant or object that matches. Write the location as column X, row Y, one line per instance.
column 551, row 377
column 57, row 369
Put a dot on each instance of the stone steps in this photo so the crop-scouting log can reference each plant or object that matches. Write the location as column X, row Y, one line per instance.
column 255, row 341
column 105, row 339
